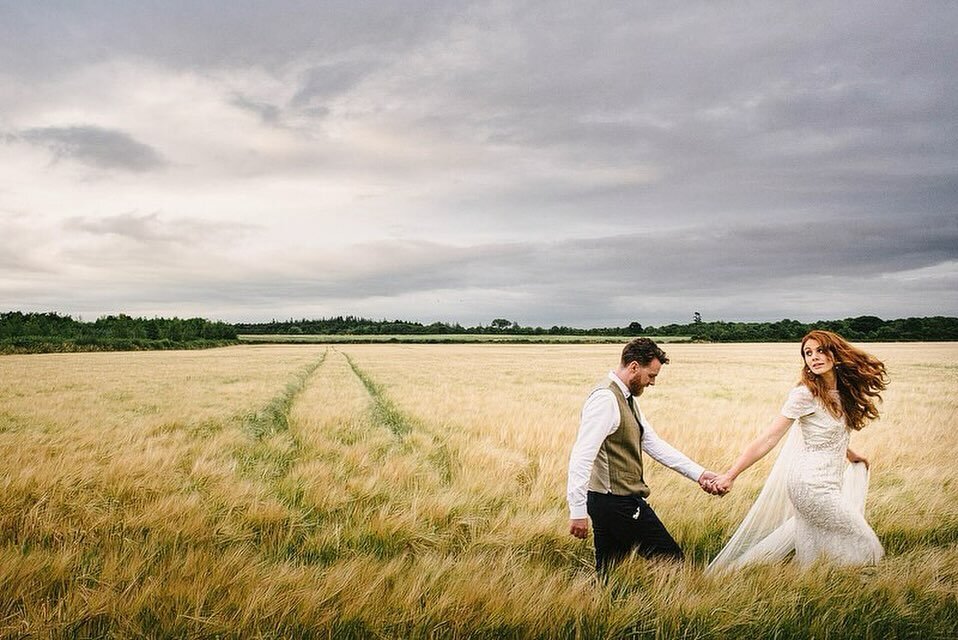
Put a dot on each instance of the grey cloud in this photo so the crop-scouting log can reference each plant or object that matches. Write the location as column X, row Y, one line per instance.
column 706, row 261
column 51, row 37
column 154, row 229
column 711, row 95
column 803, row 271
column 719, row 98
column 97, row 147
column 142, row 228
column 267, row 113
column 329, row 80
column 740, row 257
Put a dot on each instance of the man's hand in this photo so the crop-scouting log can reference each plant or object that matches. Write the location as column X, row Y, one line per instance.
column 707, row 482
column 579, row 527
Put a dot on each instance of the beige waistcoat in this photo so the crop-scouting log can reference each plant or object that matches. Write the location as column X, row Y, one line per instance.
column 618, row 465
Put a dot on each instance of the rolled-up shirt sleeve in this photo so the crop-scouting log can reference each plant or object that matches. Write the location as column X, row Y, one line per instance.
column 665, row 454
column 600, row 417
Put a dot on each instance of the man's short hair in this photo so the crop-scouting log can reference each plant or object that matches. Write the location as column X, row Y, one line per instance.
column 643, row 351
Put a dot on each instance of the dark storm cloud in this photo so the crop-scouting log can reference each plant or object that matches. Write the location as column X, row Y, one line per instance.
column 742, row 112
column 701, row 261
column 96, row 147
column 760, row 272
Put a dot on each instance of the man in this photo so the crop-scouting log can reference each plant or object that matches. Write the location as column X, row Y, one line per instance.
column 605, row 467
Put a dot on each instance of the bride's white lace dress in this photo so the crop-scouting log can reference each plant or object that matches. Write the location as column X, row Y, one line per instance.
column 813, row 502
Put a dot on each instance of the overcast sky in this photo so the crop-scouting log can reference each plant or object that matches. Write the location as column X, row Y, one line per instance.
column 578, row 163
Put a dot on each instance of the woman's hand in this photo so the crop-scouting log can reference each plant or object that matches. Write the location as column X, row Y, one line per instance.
column 854, row 457
column 723, row 483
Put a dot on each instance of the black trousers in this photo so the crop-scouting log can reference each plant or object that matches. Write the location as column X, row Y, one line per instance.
column 622, row 524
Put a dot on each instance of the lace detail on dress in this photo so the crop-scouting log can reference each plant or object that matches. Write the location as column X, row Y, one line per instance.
column 827, row 523
column 822, row 432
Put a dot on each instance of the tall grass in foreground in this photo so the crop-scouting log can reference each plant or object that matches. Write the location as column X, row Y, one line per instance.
column 267, row 491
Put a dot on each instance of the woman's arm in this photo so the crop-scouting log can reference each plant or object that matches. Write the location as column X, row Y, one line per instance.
column 755, row 451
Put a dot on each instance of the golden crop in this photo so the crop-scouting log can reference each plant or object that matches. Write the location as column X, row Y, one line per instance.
column 419, row 491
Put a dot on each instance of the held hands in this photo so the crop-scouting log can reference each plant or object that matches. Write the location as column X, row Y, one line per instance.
column 723, row 484
column 710, row 483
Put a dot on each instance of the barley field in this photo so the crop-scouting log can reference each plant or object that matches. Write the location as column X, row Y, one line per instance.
column 418, row 491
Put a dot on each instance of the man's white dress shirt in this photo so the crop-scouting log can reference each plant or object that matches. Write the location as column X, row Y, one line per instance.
column 600, row 418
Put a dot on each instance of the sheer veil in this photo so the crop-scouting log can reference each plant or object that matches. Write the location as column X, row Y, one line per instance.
column 767, row 534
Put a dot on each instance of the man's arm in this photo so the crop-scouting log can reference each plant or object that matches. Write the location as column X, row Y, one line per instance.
column 664, row 453
column 600, row 417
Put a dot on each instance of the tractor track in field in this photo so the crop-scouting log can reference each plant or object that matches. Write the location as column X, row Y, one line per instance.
column 273, row 447
column 274, row 416
column 385, row 412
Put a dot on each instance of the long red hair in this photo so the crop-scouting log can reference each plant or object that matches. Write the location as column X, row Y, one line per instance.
column 861, row 378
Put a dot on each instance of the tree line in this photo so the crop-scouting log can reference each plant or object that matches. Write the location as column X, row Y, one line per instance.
column 860, row 328
column 353, row 325
column 51, row 332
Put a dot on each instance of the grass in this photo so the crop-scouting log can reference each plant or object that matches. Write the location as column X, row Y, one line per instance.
column 410, row 491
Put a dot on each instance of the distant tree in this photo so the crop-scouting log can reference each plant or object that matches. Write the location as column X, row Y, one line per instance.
column 696, row 317
column 866, row 324
column 501, row 324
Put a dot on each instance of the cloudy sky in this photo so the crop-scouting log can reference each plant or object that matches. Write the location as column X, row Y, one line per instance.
column 580, row 163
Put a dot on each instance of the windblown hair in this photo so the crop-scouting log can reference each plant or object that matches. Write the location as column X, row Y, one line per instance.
column 861, row 379
column 643, row 351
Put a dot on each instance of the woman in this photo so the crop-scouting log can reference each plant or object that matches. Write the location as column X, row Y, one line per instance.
column 810, row 503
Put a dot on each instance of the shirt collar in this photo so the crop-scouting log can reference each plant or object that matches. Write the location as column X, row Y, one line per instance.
column 625, row 389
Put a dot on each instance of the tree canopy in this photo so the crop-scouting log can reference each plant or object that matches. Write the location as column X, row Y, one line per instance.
column 861, row 328
column 32, row 332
